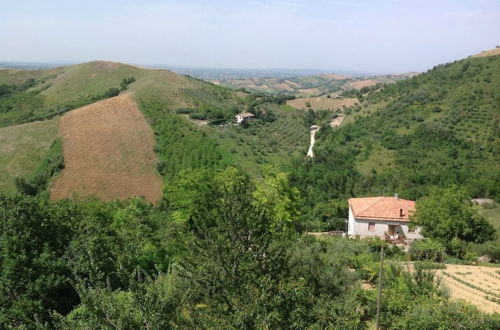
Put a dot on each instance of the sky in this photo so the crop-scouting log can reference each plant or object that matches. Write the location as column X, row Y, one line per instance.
column 379, row 36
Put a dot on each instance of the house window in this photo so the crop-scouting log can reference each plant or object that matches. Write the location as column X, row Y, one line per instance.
column 371, row 226
column 411, row 230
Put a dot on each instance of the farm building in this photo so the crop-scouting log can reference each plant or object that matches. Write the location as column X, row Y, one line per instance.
column 385, row 217
column 245, row 116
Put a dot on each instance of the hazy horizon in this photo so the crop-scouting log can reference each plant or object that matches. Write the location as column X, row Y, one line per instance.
column 357, row 36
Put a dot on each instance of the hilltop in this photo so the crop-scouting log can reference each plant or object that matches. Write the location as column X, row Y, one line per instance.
column 40, row 94
column 491, row 52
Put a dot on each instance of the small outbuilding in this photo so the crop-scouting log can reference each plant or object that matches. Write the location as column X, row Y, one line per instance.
column 243, row 117
column 385, row 217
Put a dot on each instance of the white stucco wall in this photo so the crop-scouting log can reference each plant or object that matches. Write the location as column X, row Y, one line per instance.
column 350, row 224
column 360, row 227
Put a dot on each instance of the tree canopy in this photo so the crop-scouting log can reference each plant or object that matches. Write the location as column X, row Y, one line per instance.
column 447, row 214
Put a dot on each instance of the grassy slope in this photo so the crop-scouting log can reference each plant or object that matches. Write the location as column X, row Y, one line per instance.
column 11, row 76
column 22, row 148
column 79, row 85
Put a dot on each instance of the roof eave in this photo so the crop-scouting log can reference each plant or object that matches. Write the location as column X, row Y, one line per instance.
column 378, row 218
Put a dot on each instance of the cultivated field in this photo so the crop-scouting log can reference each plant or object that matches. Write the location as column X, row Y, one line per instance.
column 108, row 153
column 22, row 147
column 362, row 83
column 309, row 91
column 479, row 286
column 322, row 103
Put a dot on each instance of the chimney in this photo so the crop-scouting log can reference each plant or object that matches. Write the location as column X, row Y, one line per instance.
column 396, row 196
column 400, row 213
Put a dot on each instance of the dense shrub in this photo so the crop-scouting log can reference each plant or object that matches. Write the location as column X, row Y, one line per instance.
column 427, row 249
column 111, row 92
column 125, row 82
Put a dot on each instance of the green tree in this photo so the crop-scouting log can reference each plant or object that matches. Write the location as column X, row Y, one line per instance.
column 111, row 92
column 280, row 201
column 150, row 303
column 34, row 274
column 447, row 215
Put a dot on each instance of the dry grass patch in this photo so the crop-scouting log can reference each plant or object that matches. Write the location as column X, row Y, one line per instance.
column 491, row 52
column 22, row 147
column 108, row 153
column 322, row 103
column 362, row 83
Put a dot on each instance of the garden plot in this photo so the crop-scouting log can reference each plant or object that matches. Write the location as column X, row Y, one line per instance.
column 479, row 286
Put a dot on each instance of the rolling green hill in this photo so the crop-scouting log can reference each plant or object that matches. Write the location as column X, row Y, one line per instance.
column 192, row 118
column 34, row 95
column 434, row 130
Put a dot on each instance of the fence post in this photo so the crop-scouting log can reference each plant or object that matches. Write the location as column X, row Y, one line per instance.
column 380, row 279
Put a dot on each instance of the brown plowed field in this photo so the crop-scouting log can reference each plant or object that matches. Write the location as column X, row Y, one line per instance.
column 362, row 83
column 108, row 152
column 322, row 103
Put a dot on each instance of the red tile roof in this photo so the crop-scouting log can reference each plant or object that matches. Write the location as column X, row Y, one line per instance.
column 382, row 208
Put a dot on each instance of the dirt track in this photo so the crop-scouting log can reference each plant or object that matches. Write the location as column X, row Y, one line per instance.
column 108, row 152
column 337, row 121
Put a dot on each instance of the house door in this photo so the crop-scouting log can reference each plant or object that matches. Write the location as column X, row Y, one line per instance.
column 392, row 230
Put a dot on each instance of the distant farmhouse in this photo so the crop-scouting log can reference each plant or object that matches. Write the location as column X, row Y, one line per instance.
column 243, row 117
column 385, row 217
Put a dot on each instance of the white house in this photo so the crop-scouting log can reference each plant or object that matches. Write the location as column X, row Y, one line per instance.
column 245, row 116
column 384, row 217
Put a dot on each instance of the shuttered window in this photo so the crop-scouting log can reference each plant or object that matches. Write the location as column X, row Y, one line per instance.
column 371, row 226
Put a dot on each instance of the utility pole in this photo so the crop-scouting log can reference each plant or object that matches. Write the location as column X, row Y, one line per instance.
column 380, row 279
